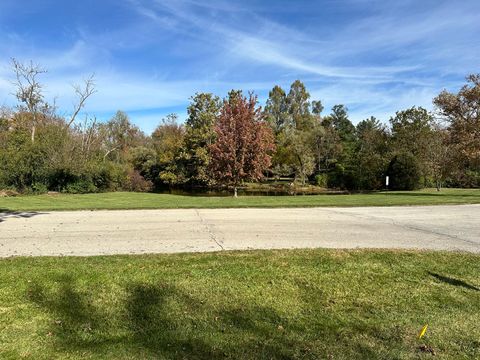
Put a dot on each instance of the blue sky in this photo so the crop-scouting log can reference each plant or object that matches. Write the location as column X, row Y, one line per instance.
column 149, row 57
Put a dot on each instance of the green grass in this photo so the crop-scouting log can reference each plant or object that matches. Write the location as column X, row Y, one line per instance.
column 301, row 304
column 123, row 200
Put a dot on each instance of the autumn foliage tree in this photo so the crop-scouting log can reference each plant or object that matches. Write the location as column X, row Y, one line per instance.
column 462, row 114
column 243, row 143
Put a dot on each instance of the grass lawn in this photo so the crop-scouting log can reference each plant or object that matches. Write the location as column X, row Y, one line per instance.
column 124, row 200
column 299, row 304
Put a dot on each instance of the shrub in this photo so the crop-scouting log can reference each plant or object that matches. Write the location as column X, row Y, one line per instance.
column 136, row 182
column 39, row 188
column 60, row 177
column 168, row 178
column 81, row 186
column 404, row 172
column 321, row 180
column 108, row 176
column 341, row 177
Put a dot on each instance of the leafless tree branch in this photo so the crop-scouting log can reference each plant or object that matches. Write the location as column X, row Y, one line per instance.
column 29, row 90
column 82, row 93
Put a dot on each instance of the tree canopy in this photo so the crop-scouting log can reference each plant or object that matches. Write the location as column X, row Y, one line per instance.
column 243, row 141
column 225, row 142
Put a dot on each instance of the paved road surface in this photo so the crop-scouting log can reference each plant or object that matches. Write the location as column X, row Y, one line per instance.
column 191, row 230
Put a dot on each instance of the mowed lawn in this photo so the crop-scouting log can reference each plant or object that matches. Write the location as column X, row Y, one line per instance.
column 125, row 200
column 297, row 304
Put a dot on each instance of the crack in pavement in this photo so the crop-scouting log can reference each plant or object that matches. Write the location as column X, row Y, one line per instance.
column 406, row 226
column 192, row 230
column 207, row 226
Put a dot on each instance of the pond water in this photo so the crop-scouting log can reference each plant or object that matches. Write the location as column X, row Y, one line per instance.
column 243, row 192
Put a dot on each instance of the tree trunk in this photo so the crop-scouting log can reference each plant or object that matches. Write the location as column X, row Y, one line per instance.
column 33, row 134
column 437, row 180
column 235, row 194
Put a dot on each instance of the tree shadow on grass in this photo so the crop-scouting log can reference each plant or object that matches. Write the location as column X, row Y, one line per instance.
column 160, row 320
column 154, row 329
column 154, row 321
column 75, row 318
column 453, row 281
column 6, row 214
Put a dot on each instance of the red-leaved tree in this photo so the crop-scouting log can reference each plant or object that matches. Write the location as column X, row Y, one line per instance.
column 243, row 143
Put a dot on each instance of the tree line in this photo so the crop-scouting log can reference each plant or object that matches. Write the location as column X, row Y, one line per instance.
column 229, row 141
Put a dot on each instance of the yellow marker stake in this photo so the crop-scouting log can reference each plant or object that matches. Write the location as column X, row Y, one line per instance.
column 423, row 331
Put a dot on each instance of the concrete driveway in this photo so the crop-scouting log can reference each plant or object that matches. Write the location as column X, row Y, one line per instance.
column 191, row 230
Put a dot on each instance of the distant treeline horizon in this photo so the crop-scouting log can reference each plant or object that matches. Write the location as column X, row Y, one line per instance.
column 226, row 142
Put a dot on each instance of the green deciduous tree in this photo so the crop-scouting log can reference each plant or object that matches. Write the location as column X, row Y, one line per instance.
column 276, row 109
column 296, row 130
column 303, row 155
column 412, row 131
column 168, row 139
column 199, row 135
column 120, row 135
column 317, row 107
column 338, row 145
column 299, row 106
column 371, row 154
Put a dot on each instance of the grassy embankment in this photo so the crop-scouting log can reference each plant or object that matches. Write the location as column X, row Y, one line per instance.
column 302, row 304
column 123, row 200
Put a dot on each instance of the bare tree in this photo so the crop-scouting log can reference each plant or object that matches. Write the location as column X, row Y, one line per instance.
column 29, row 90
column 6, row 114
column 89, row 139
column 30, row 95
column 82, row 93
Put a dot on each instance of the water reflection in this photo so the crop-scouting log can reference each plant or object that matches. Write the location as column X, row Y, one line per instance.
column 244, row 192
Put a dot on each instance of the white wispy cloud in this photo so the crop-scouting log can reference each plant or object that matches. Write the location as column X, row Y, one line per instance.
column 388, row 58
column 270, row 43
